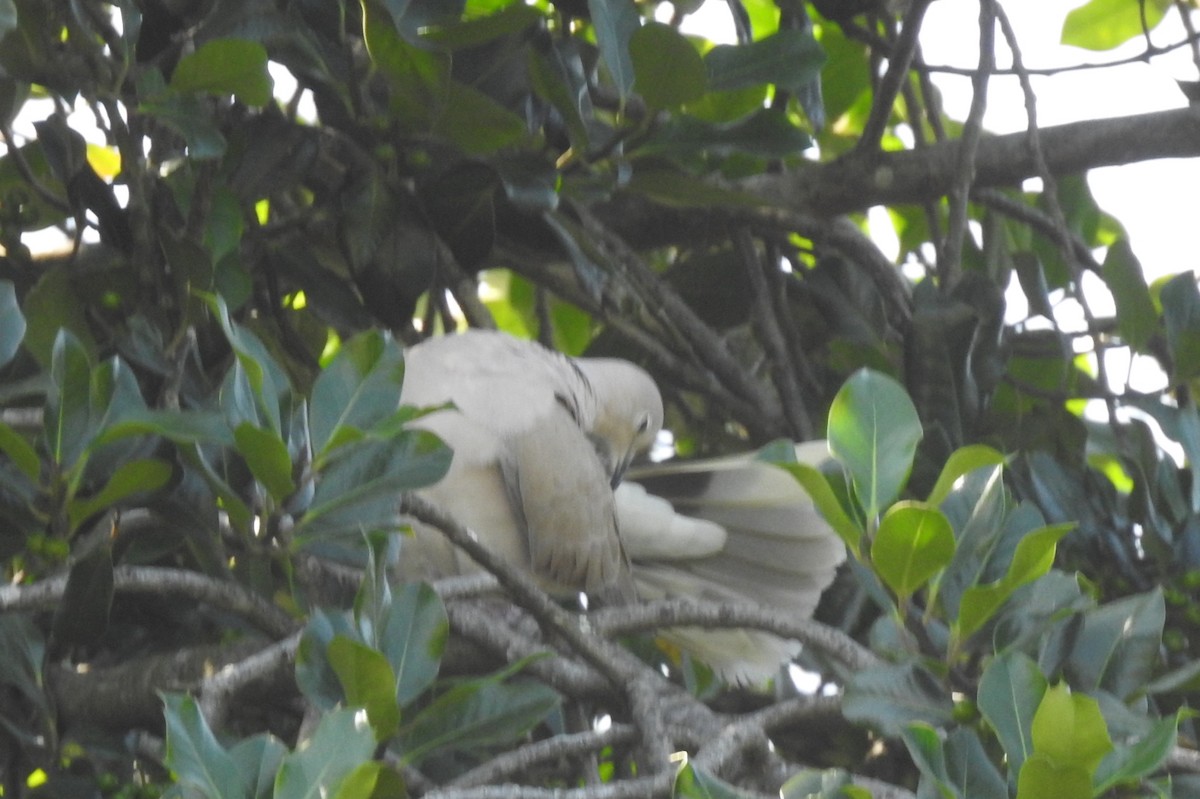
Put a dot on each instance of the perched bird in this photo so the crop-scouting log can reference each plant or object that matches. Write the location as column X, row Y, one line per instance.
column 541, row 443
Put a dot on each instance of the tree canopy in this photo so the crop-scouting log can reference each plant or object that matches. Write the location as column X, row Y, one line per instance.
column 201, row 457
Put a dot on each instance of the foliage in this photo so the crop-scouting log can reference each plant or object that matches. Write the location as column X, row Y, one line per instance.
column 200, row 433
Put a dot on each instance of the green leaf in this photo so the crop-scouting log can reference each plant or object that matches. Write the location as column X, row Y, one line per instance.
column 788, row 59
column 179, row 427
column 694, row 783
column 68, row 419
column 873, row 432
column 510, row 19
column 357, row 493
column 413, row 638
column 258, row 758
column 1134, row 762
column 1118, row 648
column 673, row 187
column 615, row 22
column 765, row 133
column 1069, row 729
column 1033, row 558
column 81, row 617
column 368, row 682
column 372, row 780
column 925, row 748
column 21, row 452
column 418, row 77
column 1105, row 24
column 970, row 766
column 477, row 713
column 141, row 476
column 667, row 68
column 340, row 745
column 12, row 322
column 267, row 456
column 1137, row 320
column 266, row 381
column 199, row 763
column 53, row 305
column 962, row 461
column 476, row 122
column 891, row 697
column 1181, row 317
column 834, row 783
column 224, row 67
column 826, row 501
column 1041, row 777
column 314, row 674
column 913, row 543
column 1010, row 692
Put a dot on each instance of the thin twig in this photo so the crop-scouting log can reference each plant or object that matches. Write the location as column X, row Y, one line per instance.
column 899, row 61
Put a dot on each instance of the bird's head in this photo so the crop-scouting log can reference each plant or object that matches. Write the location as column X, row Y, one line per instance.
column 629, row 411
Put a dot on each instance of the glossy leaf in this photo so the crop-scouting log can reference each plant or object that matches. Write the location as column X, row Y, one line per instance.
column 339, row 745
column 1118, row 648
column 68, row 422
column 1010, row 692
column 1137, row 321
column 1069, row 728
column 477, row 713
column 372, row 780
column 925, row 748
column 789, row 59
column 827, row 503
column 267, row 456
column 20, row 452
column 132, row 478
column 889, row 698
column 235, row 67
column 315, row 675
column 258, row 758
column 368, row 682
column 200, row 764
column 413, row 638
column 962, row 461
column 873, row 432
column 1033, row 558
column 913, row 543
column 1132, row 762
column 615, row 22
column 12, row 322
column 668, row 70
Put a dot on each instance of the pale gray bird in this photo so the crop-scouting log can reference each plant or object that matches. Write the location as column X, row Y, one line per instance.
column 540, row 443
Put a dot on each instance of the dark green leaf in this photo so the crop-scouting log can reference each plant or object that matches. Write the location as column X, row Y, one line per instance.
column 235, row 67
column 827, row 503
column 267, row 456
column 21, row 452
column 1118, row 648
column 68, row 409
column 615, row 22
column 765, row 133
column 50, row 306
column 693, row 783
column 1129, row 763
column 1010, row 691
column 668, row 71
column 199, row 763
column 413, row 638
column 180, row 427
column 1181, row 316
column 258, row 759
column 476, row 122
column 357, row 493
column 142, row 476
column 1137, row 320
column 889, row 698
column 478, row 713
column 340, row 744
column 969, row 768
column 81, row 618
column 674, row 187
column 510, row 19
column 788, row 59
column 314, row 674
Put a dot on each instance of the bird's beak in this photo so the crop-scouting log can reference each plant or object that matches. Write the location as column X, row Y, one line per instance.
column 619, row 470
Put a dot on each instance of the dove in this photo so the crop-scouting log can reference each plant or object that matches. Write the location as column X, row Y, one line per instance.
column 539, row 441
column 540, row 445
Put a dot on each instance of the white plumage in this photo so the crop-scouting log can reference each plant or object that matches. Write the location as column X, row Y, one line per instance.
column 540, row 440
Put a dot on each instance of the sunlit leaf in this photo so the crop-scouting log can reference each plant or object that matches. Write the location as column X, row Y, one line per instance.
column 226, row 66
column 669, row 72
column 1105, row 24
column 914, row 542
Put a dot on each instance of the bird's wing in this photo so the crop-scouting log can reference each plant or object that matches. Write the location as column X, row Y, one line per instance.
column 778, row 551
column 524, row 477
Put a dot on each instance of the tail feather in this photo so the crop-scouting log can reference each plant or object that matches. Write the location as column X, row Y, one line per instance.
column 778, row 553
